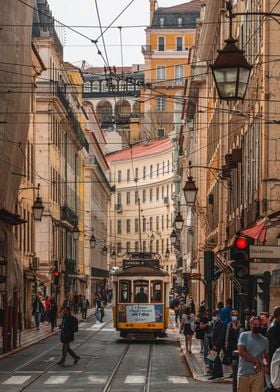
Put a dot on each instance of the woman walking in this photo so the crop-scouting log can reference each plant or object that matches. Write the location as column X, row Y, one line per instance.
column 187, row 328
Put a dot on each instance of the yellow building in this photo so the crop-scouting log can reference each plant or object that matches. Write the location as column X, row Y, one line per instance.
column 167, row 53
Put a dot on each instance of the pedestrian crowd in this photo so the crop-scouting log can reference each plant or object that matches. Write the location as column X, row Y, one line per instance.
column 224, row 339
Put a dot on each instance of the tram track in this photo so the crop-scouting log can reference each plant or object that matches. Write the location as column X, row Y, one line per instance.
column 42, row 373
column 147, row 385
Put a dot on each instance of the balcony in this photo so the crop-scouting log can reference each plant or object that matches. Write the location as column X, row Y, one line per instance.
column 68, row 215
column 146, row 49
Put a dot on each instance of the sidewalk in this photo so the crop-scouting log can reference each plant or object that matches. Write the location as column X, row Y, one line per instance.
column 31, row 335
column 196, row 362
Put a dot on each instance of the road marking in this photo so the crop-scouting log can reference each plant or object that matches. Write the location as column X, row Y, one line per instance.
column 56, row 380
column 109, row 330
column 16, row 380
column 135, row 379
column 97, row 380
column 178, row 380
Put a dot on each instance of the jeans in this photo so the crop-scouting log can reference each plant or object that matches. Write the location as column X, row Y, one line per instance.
column 99, row 314
column 66, row 349
column 84, row 314
column 218, row 367
column 207, row 340
column 37, row 318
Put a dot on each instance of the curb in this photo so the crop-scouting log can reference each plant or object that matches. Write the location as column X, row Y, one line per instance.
column 195, row 374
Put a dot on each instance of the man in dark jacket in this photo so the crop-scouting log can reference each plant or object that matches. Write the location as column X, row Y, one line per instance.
column 53, row 312
column 67, row 335
column 218, row 340
column 37, row 310
column 273, row 332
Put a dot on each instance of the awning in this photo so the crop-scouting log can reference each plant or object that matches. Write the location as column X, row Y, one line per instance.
column 257, row 232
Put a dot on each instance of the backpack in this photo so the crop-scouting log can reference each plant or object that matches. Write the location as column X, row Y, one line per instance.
column 275, row 369
column 75, row 324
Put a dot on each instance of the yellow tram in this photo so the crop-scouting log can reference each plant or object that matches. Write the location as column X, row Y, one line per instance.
column 140, row 296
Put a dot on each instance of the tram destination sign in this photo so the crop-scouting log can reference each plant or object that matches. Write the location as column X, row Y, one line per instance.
column 140, row 263
column 264, row 252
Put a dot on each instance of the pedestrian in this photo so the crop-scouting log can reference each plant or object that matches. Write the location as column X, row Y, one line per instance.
column 225, row 312
column 253, row 358
column 99, row 312
column 53, row 312
column 217, row 341
column 37, row 311
column 202, row 326
column 232, row 335
column 175, row 306
column 68, row 328
column 273, row 332
column 181, row 309
column 84, row 307
column 47, row 307
column 249, row 313
column 187, row 327
column 264, row 323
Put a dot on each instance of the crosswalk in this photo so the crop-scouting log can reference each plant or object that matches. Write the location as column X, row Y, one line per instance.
column 59, row 379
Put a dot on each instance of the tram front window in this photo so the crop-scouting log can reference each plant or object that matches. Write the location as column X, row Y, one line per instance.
column 156, row 291
column 124, row 294
column 141, row 292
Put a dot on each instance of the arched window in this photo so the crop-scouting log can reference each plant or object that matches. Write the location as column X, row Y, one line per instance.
column 87, row 87
column 104, row 86
column 122, row 113
column 104, row 113
column 96, row 86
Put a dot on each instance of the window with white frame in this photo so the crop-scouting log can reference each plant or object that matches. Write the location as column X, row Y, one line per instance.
column 179, row 75
column 161, row 72
column 161, row 101
column 161, row 44
column 179, row 44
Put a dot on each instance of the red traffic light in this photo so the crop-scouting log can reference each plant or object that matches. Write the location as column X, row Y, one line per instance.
column 56, row 274
column 241, row 243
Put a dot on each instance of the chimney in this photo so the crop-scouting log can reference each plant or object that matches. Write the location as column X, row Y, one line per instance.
column 153, row 7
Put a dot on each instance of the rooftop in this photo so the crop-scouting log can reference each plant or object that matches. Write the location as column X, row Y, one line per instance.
column 140, row 150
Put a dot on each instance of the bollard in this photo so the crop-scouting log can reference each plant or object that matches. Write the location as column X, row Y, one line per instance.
column 235, row 360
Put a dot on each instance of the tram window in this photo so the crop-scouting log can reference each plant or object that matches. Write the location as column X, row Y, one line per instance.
column 125, row 290
column 141, row 291
column 156, row 291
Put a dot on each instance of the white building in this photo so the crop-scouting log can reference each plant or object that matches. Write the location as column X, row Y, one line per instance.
column 141, row 215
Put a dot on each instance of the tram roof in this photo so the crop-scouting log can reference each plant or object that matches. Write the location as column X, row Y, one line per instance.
column 140, row 271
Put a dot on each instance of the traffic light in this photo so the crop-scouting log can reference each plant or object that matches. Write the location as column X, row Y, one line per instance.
column 239, row 255
column 209, row 265
column 56, row 276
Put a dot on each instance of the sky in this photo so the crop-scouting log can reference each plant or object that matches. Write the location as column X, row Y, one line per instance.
column 83, row 13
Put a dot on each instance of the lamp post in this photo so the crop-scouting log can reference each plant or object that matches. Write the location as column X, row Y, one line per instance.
column 167, row 254
column 37, row 207
column 231, row 70
column 173, row 237
column 190, row 191
column 76, row 233
column 92, row 241
column 178, row 222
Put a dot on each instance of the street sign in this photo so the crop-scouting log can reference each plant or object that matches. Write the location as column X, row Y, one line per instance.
column 264, row 252
column 260, row 268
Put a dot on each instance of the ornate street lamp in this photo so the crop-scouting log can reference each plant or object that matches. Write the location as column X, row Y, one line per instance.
column 113, row 254
column 178, row 222
column 38, row 207
column 173, row 237
column 76, row 233
column 104, row 250
column 167, row 254
column 92, row 241
column 190, row 191
column 231, row 70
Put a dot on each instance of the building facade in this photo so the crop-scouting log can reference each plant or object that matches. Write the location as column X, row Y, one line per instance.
column 234, row 153
column 141, row 213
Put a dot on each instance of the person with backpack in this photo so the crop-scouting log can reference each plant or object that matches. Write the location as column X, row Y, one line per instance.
column 68, row 328
column 84, row 307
